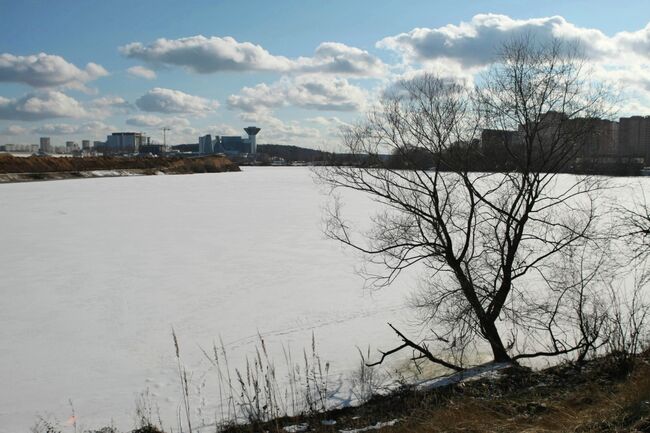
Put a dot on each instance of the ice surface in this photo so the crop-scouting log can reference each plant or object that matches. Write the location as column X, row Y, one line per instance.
column 95, row 272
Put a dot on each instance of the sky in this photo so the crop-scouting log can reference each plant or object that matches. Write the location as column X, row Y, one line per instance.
column 298, row 69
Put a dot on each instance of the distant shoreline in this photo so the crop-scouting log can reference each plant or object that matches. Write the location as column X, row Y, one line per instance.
column 63, row 175
column 30, row 169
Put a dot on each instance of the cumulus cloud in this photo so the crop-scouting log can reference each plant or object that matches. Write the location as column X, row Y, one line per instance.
column 221, row 129
column 399, row 84
column 332, row 126
column 151, row 121
column 41, row 105
column 178, row 129
column 637, row 42
column 46, row 70
column 142, row 72
column 108, row 105
column 474, row 43
column 205, row 55
column 461, row 51
column 327, row 121
column 144, row 120
column 13, row 130
column 161, row 100
column 309, row 91
column 337, row 58
column 110, row 101
column 258, row 98
column 56, row 129
column 92, row 127
column 332, row 123
column 275, row 130
column 100, row 108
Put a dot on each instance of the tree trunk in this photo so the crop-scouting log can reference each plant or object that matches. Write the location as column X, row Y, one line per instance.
column 492, row 335
column 486, row 321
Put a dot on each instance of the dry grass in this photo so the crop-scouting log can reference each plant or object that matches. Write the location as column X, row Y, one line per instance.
column 597, row 405
column 594, row 398
column 49, row 164
column 603, row 396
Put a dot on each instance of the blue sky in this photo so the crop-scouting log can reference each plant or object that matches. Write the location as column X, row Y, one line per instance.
column 77, row 70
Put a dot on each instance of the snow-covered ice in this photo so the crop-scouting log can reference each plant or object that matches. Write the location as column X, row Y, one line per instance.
column 95, row 272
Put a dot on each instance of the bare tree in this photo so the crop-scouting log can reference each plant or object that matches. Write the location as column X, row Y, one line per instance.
column 493, row 245
column 634, row 224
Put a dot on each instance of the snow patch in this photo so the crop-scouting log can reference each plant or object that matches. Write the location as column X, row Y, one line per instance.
column 297, row 428
column 377, row 426
column 491, row 369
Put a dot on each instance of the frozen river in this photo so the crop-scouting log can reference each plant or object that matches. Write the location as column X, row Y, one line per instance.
column 96, row 272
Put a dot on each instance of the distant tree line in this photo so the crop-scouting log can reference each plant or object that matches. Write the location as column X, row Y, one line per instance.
column 473, row 157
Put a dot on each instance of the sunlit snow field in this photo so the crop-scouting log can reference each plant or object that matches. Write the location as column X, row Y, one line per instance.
column 96, row 272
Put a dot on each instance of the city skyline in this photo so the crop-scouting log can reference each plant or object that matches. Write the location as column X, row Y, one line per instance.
column 208, row 68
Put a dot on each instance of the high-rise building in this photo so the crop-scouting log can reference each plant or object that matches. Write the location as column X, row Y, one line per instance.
column 125, row 142
column 71, row 146
column 205, row 144
column 230, row 144
column 596, row 137
column 496, row 141
column 46, row 147
column 634, row 137
column 85, row 144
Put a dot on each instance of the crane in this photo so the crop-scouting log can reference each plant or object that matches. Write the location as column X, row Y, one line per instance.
column 164, row 130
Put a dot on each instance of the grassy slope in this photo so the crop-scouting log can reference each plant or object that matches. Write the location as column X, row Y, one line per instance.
column 598, row 397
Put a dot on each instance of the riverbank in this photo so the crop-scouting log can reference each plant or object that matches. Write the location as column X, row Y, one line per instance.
column 607, row 395
column 17, row 169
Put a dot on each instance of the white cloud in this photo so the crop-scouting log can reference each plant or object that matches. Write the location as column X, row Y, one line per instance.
column 332, row 125
column 338, row 58
column 14, row 130
column 46, row 70
column 314, row 92
column 144, row 120
column 162, row 100
column 258, row 98
column 178, row 129
column 109, row 105
column 95, row 128
column 205, row 55
column 326, row 121
column 449, row 72
column 222, row 129
column 464, row 50
column 151, row 121
column 175, row 122
column 110, row 101
column 475, row 43
column 41, row 105
column 633, row 75
column 56, row 129
column 142, row 72
column 277, row 131
column 637, row 42
column 177, row 135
